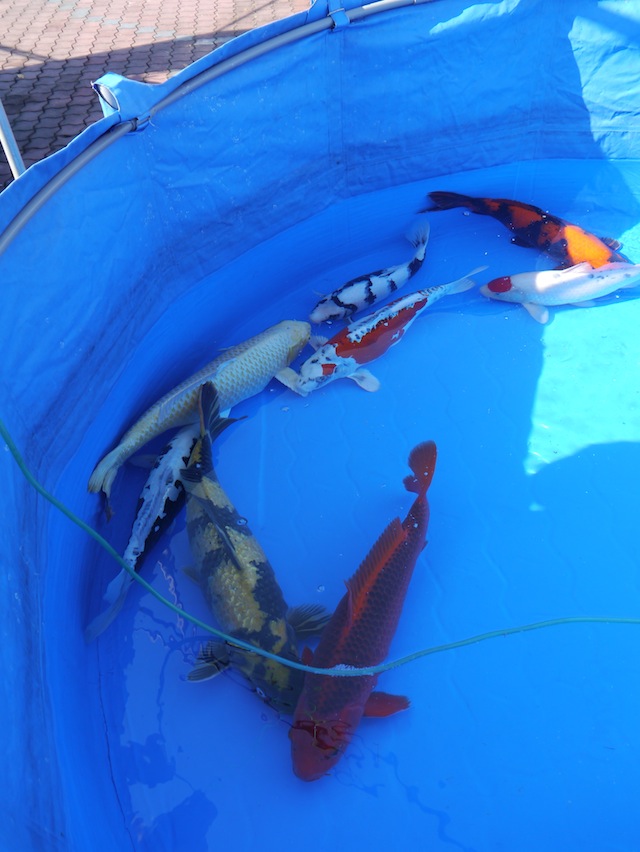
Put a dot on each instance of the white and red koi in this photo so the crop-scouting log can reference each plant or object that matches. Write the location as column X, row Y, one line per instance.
column 364, row 291
column 577, row 285
column 362, row 341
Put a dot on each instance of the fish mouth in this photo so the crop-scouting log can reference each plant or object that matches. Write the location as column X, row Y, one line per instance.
column 311, row 755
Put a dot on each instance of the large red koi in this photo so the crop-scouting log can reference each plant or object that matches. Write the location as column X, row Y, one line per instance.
column 359, row 634
column 533, row 228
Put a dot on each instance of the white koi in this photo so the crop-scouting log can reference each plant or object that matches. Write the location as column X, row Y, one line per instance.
column 366, row 290
column 240, row 372
column 577, row 285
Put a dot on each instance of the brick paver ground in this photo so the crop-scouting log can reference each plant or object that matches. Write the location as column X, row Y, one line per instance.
column 52, row 50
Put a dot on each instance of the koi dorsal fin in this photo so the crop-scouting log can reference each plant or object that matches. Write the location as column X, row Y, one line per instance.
column 611, row 243
column 422, row 461
column 447, row 200
column 381, row 552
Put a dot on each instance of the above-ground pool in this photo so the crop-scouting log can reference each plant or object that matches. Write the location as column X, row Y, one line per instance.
column 243, row 189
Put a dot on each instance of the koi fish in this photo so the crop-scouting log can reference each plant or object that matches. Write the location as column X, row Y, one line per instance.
column 240, row 372
column 364, row 340
column 577, row 285
column 238, row 582
column 533, row 228
column 366, row 290
column 359, row 634
column 160, row 501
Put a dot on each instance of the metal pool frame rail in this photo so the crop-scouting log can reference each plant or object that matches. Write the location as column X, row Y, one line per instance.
column 337, row 17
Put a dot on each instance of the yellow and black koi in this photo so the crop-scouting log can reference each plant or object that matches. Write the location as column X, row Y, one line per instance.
column 237, row 579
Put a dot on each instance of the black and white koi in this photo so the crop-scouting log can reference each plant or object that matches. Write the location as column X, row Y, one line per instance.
column 364, row 291
column 362, row 341
column 160, row 500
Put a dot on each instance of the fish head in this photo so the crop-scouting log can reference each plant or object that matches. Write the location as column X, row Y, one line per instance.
column 323, row 367
column 504, row 290
column 316, row 746
column 298, row 334
column 325, row 310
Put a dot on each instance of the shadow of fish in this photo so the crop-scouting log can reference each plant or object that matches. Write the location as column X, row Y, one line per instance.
column 237, row 579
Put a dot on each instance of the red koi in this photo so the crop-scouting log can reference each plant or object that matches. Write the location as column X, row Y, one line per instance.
column 533, row 228
column 359, row 634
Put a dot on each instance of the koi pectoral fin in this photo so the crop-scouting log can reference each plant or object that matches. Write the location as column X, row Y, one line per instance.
column 522, row 242
column 366, row 380
column 384, row 704
column 308, row 619
column 290, row 379
column 539, row 312
column 214, row 660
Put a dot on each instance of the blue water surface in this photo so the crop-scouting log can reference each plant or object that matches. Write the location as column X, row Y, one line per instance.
column 526, row 742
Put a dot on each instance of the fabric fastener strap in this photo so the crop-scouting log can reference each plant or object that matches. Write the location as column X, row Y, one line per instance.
column 338, row 14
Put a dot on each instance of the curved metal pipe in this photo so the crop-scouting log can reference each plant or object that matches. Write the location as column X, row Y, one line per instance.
column 204, row 77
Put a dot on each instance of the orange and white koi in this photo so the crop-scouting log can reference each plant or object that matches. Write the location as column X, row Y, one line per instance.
column 364, row 291
column 362, row 341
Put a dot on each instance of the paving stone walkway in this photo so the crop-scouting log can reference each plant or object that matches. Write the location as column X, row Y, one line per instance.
column 52, row 50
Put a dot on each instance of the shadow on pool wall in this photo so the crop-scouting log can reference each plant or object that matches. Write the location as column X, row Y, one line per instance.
column 121, row 254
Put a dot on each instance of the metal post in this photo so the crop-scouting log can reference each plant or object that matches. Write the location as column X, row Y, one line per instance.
column 9, row 144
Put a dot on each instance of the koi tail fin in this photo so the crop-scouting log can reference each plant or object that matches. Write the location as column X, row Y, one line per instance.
column 465, row 283
column 105, row 472
column 448, row 200
column 115, row 597
column 418, row 236
column 422, row 461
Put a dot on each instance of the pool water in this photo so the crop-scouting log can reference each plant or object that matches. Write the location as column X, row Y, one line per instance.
column 523, row 742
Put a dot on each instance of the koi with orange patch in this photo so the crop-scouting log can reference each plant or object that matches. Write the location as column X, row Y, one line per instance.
column 359, row 634
column 362, row 341
column 533, row 228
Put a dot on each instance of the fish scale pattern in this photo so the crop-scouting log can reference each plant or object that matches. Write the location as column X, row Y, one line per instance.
column 365, row 620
